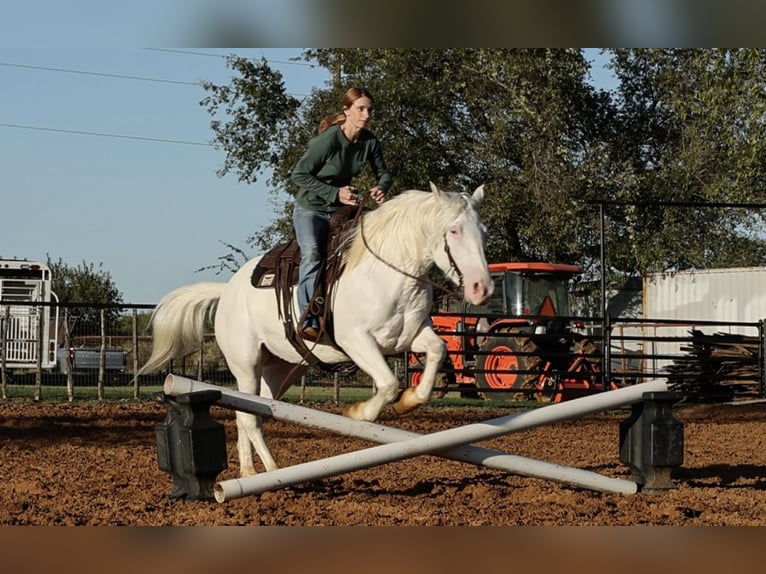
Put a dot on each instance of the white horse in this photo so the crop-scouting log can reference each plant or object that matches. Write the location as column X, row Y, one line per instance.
column 381, row 307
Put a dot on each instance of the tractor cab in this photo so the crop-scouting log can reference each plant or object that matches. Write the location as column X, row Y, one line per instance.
column 527, row 292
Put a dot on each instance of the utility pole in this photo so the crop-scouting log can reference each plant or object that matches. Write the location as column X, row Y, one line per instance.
column 337, row 67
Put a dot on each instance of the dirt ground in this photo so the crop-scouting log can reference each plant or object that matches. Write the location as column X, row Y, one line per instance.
column 96, row 464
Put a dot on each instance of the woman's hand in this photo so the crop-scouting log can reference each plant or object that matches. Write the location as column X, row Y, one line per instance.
column 348, row 195
column 377, row 194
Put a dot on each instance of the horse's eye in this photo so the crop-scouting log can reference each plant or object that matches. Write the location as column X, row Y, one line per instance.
column 454, row 229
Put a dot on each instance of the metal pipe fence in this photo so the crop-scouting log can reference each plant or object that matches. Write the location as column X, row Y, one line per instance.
column 720, row 359
column 625, row 351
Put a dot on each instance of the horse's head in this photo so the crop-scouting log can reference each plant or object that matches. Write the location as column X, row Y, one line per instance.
column 417, row 229
column 462, row 260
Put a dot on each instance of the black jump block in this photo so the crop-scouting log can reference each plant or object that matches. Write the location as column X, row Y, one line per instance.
column 191, row 446
column 652, row 441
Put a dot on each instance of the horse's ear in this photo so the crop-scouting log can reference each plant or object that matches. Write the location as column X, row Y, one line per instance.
column 434, row 189
column 478, row 194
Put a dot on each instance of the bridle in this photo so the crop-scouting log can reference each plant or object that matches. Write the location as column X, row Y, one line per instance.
column 453, row 264
column 425, row 280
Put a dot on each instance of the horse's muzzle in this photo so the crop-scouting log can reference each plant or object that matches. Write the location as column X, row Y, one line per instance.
column 479, row 292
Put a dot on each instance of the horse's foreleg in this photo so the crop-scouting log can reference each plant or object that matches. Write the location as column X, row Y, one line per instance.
column 367, row 356
column 433, row 346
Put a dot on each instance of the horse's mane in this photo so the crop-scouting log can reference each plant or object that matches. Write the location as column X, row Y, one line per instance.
column 396, row 233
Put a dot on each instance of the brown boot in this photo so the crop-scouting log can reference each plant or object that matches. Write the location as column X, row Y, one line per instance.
column 310, row 334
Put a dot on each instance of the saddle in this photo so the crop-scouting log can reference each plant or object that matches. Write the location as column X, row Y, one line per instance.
column 278, row 269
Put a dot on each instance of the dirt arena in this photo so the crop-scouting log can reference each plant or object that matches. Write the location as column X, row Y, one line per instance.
column 96, row 464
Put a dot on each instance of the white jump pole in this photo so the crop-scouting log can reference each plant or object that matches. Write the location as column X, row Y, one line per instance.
column 400, row 450
column 410, row 444
column 175, row 385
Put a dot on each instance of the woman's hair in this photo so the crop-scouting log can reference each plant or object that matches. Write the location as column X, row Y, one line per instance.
column 351, row 95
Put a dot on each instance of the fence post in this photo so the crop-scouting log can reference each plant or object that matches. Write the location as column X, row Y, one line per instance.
column 607, row 366
column 762, row 359
column 5, row 324
column 67, row 346
column 336, row 387
column 406, row 376
column 201, row 354
column 41, row 346
column 135, row 354
column 102, row 357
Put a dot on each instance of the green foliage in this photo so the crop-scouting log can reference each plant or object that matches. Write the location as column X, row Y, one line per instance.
column 86, row 283
column 693, row 131
column 125, row 323
column 683, row 126
column 257, row 110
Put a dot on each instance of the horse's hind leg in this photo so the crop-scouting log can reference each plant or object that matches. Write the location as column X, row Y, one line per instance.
column 250, row 427
column 249, row 437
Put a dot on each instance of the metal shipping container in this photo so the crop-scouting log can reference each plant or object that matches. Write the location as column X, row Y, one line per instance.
column 736, row 295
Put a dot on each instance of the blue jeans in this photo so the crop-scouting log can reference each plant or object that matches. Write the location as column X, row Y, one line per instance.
column 311, row 231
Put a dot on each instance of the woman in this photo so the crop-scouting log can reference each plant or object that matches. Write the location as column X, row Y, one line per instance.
column 323, row 175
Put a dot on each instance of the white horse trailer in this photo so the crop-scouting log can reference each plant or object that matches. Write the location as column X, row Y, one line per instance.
column 28, row 315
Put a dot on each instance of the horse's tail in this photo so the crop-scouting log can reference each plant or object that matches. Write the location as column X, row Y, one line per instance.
column 178, row 322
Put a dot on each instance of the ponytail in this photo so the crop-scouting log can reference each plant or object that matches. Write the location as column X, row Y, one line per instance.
column 330, row 121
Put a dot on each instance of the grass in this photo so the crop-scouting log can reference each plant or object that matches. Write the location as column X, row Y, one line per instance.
column 56, row 394
column 296, row 394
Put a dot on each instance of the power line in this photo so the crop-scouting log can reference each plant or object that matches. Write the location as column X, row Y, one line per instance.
column 188, row 52
column 101, row 134
column 120, row 76
column 142, row 78
column 125, row 77
column 208, row 54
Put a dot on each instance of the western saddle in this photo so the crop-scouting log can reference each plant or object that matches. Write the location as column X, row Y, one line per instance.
column 278, row 269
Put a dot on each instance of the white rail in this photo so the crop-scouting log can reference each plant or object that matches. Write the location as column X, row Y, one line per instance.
column 399, row 444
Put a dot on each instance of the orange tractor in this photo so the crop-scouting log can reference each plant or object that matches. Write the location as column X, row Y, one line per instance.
column 520, row 345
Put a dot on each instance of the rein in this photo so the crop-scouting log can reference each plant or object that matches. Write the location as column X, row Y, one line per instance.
column 425, row 280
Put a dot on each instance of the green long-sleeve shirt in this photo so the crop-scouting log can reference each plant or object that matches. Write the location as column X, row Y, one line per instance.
column 331, row 162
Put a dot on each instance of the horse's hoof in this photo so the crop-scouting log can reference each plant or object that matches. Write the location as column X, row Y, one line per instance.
column 352, row 412
column 407, row 402
column 403, row 409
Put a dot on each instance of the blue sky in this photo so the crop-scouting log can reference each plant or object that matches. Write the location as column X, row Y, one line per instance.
column 152, row 212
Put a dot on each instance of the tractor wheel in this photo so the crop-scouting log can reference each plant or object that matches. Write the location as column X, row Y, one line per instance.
column 440, row 384
column 587, row 363
column 499, row 357
column 592, row 357
column 591, row 352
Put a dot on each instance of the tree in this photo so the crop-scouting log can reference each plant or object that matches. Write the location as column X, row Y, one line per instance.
column 692, row 131
column 87, row 289
column 684, row 125
column 259, row 120
column 523, row 122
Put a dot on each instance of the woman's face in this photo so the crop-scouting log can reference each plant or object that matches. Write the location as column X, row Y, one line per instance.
column 359, row 113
